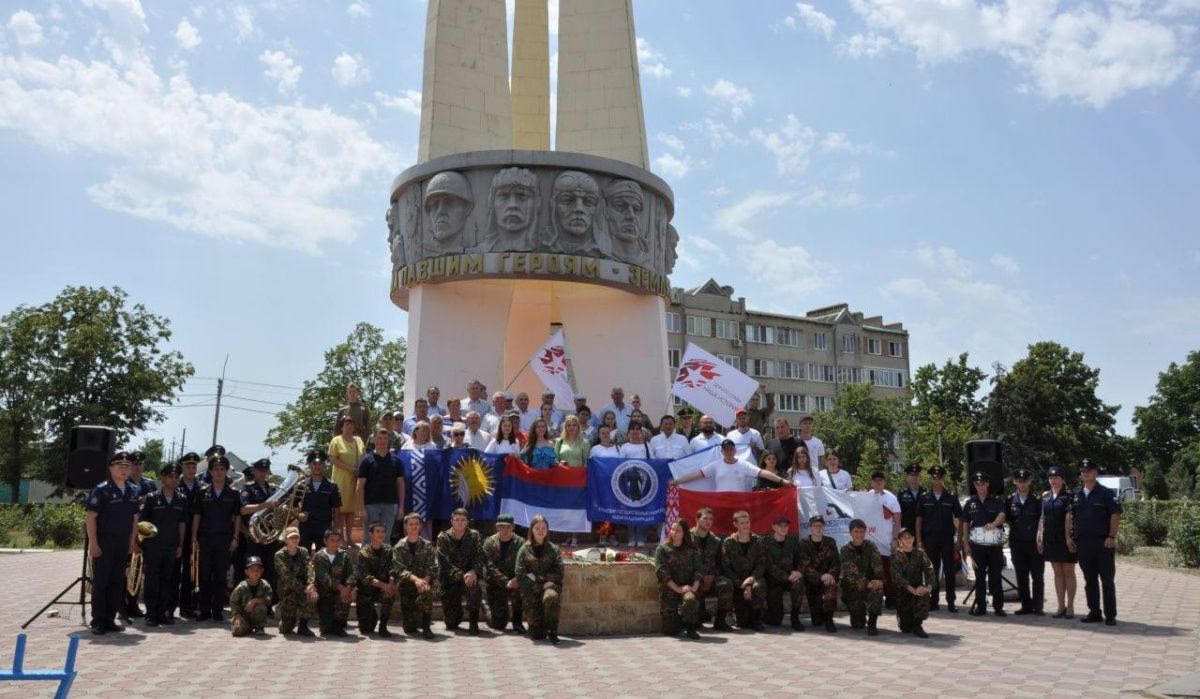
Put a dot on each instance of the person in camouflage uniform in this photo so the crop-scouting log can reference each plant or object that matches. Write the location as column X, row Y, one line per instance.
column 462, row 565
column 821, row 566
column 500, row 550
column 783, row 573
column 415, row 564
column 540, row 572
column 745, row 561
column 250, row 601
column 332, row 573
column 862, row 578
column 376, row 586
column 912, row 578
column 291, row 573
column 712, row 581
column 678, row 567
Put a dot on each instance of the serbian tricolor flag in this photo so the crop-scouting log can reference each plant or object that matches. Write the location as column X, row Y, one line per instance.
column 764, row 507
column 559, row 493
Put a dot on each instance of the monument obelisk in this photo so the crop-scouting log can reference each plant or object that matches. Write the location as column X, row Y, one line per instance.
column 495, row 238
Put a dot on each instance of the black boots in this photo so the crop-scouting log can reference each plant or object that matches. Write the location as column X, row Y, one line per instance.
column 721, row 624
column 303, row 629
column 383, row 630
column 690, row 632
column 756, row 621
column 473, row 624
column 830, row 627
column 426, row 632
column 518, row 627
column 553, row 636
column 918, row 631
column 796, row 623
column 872, row 628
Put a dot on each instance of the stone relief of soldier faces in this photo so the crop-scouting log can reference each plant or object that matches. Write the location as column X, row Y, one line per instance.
column 613, row 220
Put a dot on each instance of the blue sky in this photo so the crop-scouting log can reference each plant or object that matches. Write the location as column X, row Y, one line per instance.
column 989, row 173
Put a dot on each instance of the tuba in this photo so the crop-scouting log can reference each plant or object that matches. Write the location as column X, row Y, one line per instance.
column 266, row 526
column 136, row 574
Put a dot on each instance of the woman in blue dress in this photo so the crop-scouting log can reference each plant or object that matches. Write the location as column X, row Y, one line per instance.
column 1052, row 542
column 539, row 448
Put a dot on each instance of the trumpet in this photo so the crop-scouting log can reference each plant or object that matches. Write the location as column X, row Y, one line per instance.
column 136, row 574
column 195, row 569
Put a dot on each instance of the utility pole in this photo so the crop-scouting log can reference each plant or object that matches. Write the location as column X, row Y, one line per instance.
column 220, row 390
column 183, row 443
column 171, row 457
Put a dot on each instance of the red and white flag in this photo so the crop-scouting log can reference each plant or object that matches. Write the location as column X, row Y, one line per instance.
column 711, row 385
column 550, row 363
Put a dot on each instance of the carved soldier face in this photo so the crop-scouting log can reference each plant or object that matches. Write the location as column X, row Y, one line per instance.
column 448, row 203
column 514, row 199
column 576, row 197
column 624, row 204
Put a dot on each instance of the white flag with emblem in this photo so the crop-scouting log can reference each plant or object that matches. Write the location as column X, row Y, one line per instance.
column 550, row 365
column 713, row 386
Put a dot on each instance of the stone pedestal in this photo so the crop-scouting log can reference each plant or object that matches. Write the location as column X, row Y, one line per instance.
column 608, row 599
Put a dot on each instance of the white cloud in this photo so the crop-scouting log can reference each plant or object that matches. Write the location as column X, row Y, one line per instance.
column 1092, row 53
column 942, row 259
column 650, row 61
column 718, row 191
column 683, row 91
column 201, row 162
column 409, row 102
column 814, row 19
column 716, row 132
column 787, row 271
column 124, row 24
column 670, row 141
column 243, row 22
column 1005, row 264
column 672, row 167
column 359, row 10
column 282, row 69
column 732, row 96
column 187, row 35
column 791, row 145
column 912, row 287
column 835, row 142
column 869, row 45
column 25, row 27
column 350, row 70
column 735, row 219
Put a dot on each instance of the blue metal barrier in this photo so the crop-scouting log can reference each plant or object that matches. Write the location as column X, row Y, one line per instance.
column 64, row 677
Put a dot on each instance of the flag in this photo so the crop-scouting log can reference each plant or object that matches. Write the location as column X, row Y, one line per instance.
column 421, row 469
column 471, row 479
column 549, row 363
column 683, row 466
column 559, row 493
column 711, row 385
column 627, row 491
column 838, row 508
column 763, row 505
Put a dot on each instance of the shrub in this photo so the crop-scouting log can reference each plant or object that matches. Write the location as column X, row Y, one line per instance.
column 60, row 525
column 1128, row 539
column 1185, row 538
column 1151, row 519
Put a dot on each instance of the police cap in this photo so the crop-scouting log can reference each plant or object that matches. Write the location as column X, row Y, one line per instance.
column 315, row 455
column 1021, row 473
column 120, row 457
column 190, row 458
column 263, row 464
column 137, row 457
column 1056, row 471
column 913, row 470
column 215, row 449
column 218, row 461
column 1087, row 464
column 171, row 470
column 937, row 472
column 981, row 477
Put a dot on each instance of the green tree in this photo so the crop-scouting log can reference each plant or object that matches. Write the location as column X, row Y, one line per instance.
column 155, row 457
column 364, row 358
column 945, row 413
column 1168, row 426
column 22, row 405
column 1046, row 412
column 862, row 428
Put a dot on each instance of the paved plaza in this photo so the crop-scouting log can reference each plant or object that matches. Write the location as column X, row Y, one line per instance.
column 1156, row 641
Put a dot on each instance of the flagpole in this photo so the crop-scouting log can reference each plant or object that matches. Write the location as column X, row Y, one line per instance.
column 514, row 379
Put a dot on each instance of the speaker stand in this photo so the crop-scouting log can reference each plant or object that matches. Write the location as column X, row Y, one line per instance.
column 83, row 581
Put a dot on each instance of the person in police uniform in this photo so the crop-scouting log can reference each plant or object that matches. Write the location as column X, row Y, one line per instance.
column 1024, row 517
column 985, row 511
column 1053, row 538
column 145, row 488
column 938, row 517
column 214, row 450
column 168, row 510
column 321, row 505
column 112, row 507
column 1095, row 519
column 255, row 493
column 910, row 497
column 188, row 488
column 215, row 529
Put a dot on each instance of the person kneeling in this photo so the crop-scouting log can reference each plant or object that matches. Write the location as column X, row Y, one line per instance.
column 862, row 579
column 912, row 578
column 333, row 578
column 678, row 567
column 250, row 601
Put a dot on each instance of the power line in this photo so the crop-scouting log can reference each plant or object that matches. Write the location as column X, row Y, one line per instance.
column 250, row 410
column 252, row 383
column 255, row 400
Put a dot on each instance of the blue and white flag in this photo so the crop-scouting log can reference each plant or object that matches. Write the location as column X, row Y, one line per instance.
column 627, row 491
column 422, row 468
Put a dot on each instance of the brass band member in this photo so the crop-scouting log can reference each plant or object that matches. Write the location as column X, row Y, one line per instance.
column 215, row 529
column 168, row 510
column 111, row 510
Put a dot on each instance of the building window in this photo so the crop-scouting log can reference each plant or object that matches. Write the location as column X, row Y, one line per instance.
column 850, row 344
column 791, row 370
column 822, row 403
column 789, row 402
column 820, row 341
column 888, row 378
column 895, row 349
column 732, row 360
column 673, row 359
column 789, row 337
column 874, row 346
column 849, row 374
column 673, row 324
column 759, row 367
column 727, row 329
column 760, row 333
column 699, row 325
column 820, row 372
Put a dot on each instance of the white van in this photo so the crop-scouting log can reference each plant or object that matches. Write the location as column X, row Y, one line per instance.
column 1121, row 485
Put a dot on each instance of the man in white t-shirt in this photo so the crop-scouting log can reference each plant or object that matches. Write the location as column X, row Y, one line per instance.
column 885, row 540
column 833, row 476
column 744, row 434
column 730, row 474
column 669, row 444
column 619, row 408
column 708, row 436
column 528, row 415
column 816, row 448
column 476, row 437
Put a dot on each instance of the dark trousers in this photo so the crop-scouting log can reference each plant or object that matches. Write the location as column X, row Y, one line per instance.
column 162, row 582
column 941, row 553
column 989, row 562
column 312, row 534
column 1099, row 567
column 108, row 578
column 214, row 564
column 1029, row 565
column 888, row 592
column 183, row 573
